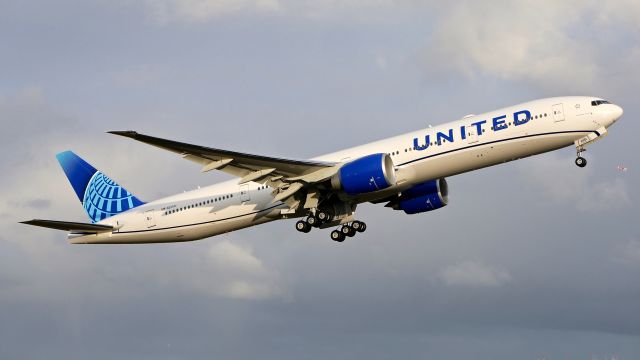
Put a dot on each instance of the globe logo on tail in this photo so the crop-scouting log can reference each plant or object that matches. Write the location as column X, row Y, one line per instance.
column 104, row 198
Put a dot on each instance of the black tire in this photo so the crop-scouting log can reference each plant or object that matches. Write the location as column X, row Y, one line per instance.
column 323, row 216
column 359, row 226
column 352, row 232
column 345, row 229
column 337, row 236
column 581, row 162
column 313, row 221
column 302, row 226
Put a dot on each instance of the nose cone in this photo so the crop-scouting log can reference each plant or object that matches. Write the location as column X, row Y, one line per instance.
column 608, row 114
column 617, row 112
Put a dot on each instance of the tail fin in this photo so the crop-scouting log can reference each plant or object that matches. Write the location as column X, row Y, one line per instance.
column 100, row 196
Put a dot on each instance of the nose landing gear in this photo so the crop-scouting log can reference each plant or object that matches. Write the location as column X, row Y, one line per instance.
column 580, row 161
column 582, row 143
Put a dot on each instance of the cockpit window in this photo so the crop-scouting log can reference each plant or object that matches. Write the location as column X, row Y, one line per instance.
column 599, row 102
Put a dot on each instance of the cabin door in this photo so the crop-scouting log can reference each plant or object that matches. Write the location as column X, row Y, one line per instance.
column 558, row 112
column 244, row 193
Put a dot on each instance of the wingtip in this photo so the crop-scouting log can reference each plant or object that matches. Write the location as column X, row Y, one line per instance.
column 126, row 133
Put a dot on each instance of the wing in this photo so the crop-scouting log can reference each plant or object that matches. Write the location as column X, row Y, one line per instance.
column 70, row 226
column 246, row 166
column 288, row 177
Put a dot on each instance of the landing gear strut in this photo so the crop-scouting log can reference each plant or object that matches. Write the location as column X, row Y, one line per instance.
column 580, row 161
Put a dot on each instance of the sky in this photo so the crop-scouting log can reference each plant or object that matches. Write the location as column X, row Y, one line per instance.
column 531, row 259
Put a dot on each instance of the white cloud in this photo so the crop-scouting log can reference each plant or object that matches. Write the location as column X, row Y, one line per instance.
column 35, row 187
column 557, row 179
column 528, row 41
column 473, row 274
column 233, row 271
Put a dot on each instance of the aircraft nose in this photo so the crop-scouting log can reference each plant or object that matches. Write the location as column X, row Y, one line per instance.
column 617, row 112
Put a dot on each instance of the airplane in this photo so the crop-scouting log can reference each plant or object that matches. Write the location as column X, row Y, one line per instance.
column 406, row 172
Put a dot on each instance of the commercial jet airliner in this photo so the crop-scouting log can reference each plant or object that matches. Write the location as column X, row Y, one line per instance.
column 406, row 172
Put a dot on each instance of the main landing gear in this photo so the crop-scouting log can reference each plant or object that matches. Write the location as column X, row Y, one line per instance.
column 348, row 230
column 339, row 235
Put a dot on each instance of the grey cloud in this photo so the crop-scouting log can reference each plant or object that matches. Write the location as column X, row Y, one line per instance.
column 544, row 44
column 574, row 186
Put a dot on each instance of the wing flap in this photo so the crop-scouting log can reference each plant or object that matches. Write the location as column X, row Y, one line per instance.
column 69, row 226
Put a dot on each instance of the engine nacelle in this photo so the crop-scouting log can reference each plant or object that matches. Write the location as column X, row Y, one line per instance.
column 430, row 195
column 364, row 175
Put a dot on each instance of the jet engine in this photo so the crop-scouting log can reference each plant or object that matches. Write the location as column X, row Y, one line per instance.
column 364, row 175
column 427, row 196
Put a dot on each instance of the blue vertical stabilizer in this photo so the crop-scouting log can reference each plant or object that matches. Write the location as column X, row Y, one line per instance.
column 100, row 196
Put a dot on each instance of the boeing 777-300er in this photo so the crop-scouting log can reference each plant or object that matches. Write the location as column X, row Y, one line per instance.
column 406, row 172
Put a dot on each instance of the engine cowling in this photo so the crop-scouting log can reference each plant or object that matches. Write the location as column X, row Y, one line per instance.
column 364, row 175
column 430, row 195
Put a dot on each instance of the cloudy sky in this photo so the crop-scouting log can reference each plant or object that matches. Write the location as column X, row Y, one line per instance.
column 532, row 259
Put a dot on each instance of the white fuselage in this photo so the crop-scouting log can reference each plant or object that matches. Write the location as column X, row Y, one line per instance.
column 467, row 144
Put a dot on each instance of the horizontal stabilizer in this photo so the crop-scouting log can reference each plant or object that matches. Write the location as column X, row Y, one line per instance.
column 69, row 226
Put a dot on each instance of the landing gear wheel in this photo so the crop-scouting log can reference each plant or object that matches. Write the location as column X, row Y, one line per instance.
column 347, row 230
column 337, row 236
column 581, row 162
column 303, row 226
column 323, row 216
column 352, row 232
column 313, row 221
column 359, row 226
